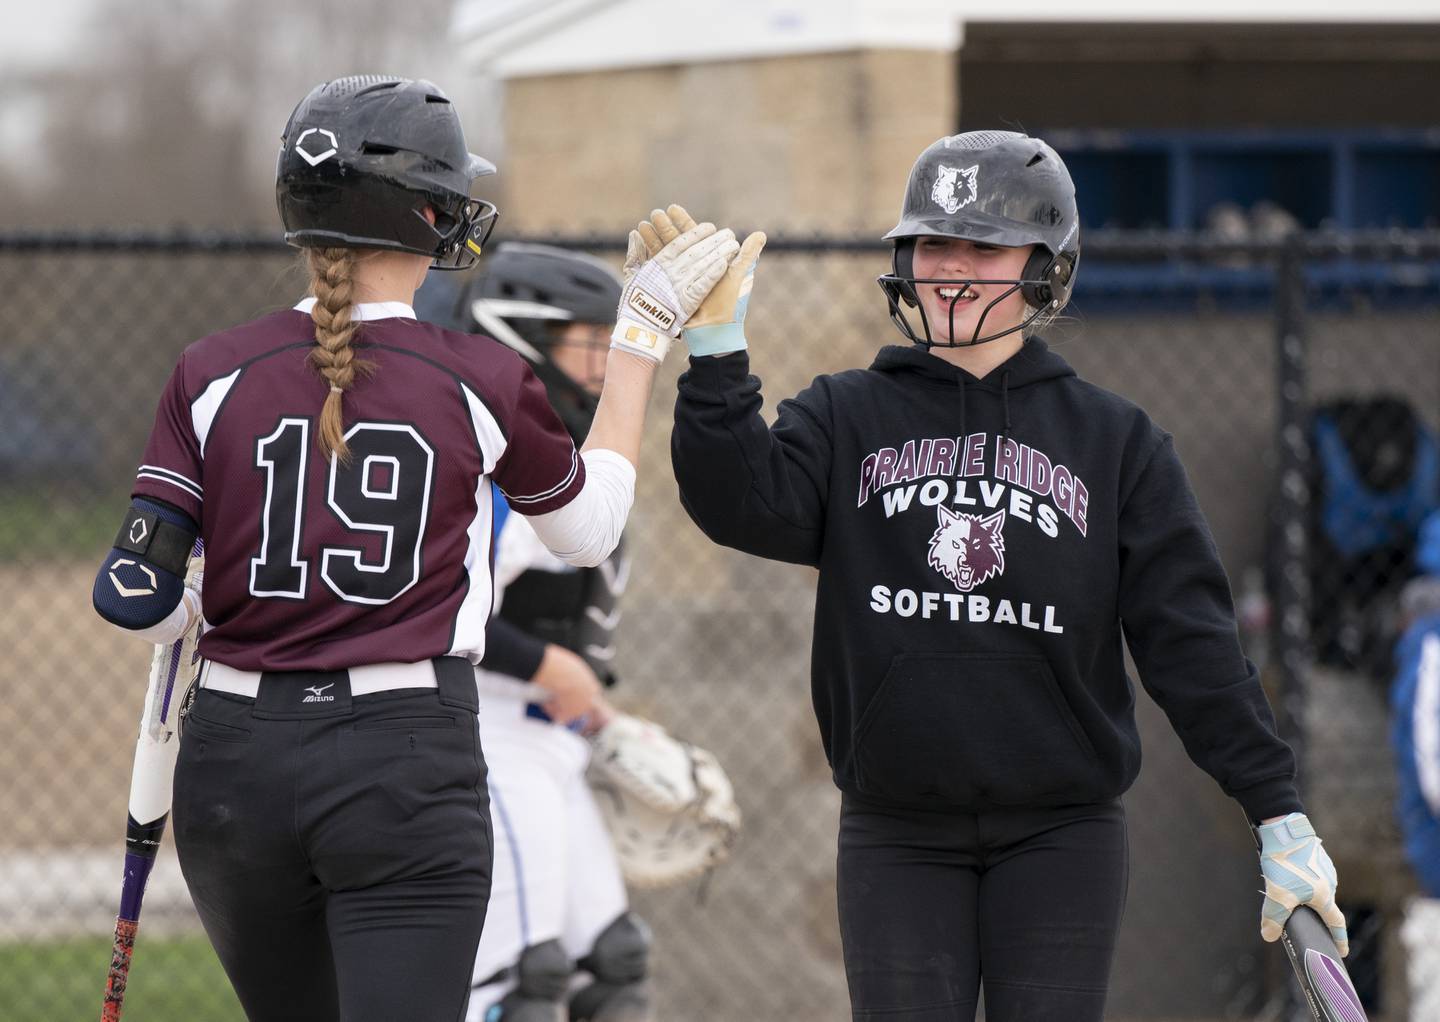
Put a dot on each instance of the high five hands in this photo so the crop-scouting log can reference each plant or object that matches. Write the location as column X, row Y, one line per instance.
column 698, row 277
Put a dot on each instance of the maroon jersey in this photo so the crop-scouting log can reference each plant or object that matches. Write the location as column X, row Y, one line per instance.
column 314, row 565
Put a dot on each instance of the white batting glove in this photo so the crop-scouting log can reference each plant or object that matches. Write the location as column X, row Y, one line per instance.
column 1297, row 871
column 664, row 290
column 718, row 324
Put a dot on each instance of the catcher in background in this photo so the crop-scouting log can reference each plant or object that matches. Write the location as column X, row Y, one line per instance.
column 559, row 939
column 989, row 531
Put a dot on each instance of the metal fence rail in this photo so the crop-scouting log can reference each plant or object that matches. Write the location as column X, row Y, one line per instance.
column 1228, row 345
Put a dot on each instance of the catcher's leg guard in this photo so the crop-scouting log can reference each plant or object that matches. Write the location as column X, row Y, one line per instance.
column 619, row 962
column 544, row 971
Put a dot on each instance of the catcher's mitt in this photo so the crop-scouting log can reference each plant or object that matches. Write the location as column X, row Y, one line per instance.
column 668, row 805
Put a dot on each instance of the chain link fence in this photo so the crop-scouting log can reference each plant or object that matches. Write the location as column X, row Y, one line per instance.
column 1233, row 349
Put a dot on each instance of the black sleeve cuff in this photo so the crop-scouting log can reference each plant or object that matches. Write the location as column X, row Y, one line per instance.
column 509, row 650
column 716, row 371
column 1275, row 797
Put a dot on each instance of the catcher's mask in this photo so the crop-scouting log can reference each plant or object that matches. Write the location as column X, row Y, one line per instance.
column 527, row 294
column 362, row 157
column 995, row 187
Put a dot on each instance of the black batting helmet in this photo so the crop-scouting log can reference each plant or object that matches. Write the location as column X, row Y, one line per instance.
column 362, row 157
column 522, row 296
column 528, row 284
column 997, row 187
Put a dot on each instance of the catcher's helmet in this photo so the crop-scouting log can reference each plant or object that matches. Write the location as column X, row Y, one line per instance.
column 997, row 187
column 361, row 158
column 525, row 292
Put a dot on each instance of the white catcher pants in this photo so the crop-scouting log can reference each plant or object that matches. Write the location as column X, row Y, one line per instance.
column 555, row 873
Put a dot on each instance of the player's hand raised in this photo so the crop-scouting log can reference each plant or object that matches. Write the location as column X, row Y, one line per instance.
column 663, row 290
column 718, row 324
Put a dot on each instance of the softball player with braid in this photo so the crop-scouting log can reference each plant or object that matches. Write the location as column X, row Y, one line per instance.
column 989, row 529
column 558, row 902
column 338, row 459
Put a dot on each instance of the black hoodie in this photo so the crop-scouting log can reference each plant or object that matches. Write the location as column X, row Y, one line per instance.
column 981, row 545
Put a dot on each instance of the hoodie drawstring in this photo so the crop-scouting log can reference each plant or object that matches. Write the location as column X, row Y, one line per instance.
column 1005, row 406
column 1004, row 402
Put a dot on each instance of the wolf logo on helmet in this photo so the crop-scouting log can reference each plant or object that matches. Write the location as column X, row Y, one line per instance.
column 945, row 193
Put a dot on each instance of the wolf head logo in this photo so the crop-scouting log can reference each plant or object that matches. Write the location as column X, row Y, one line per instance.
column 968, row 549
column 955, row 187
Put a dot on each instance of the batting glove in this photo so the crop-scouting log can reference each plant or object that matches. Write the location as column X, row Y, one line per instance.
column 718, row 325
column 1297, row 871
column 663, row 289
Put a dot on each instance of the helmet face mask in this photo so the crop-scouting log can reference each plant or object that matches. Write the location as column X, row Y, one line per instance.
column 361, row 159
column 462, row 244
column 999, row 188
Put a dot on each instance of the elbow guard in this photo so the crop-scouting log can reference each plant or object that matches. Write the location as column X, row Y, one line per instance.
column 143, row 578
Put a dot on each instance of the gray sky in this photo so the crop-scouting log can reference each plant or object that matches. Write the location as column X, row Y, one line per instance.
column 133, row 112
column 40, row 33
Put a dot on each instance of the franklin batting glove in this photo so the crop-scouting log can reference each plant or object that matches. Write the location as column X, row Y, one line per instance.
column 718, row 325
column 664, row 290
column 1297, row 871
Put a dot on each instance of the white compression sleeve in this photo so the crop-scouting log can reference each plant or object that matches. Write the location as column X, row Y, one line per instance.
column 176, row 623
column 585, row 531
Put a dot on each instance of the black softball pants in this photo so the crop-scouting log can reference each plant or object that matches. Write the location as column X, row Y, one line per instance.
column 340, row 855
column 1028, row 899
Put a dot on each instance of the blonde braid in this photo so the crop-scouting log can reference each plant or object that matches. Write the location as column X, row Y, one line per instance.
column 331, row 281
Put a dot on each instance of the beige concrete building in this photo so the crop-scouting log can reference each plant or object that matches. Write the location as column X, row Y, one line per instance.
column 803, row 116
column 799, row 144
column 796, row 118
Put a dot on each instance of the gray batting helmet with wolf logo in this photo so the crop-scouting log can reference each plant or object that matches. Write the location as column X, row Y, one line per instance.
column 1000, row 188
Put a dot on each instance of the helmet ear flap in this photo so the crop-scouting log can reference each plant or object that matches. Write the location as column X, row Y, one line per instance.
column 902, row 261
column 1052, row 272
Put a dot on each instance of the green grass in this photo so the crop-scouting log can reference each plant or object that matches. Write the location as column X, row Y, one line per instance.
column 36, row 524
column 171, row 980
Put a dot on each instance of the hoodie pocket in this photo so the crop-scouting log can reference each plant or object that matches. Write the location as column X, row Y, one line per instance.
column 975, row 730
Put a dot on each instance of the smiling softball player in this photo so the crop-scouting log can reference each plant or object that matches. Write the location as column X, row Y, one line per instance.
column 990, row 531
